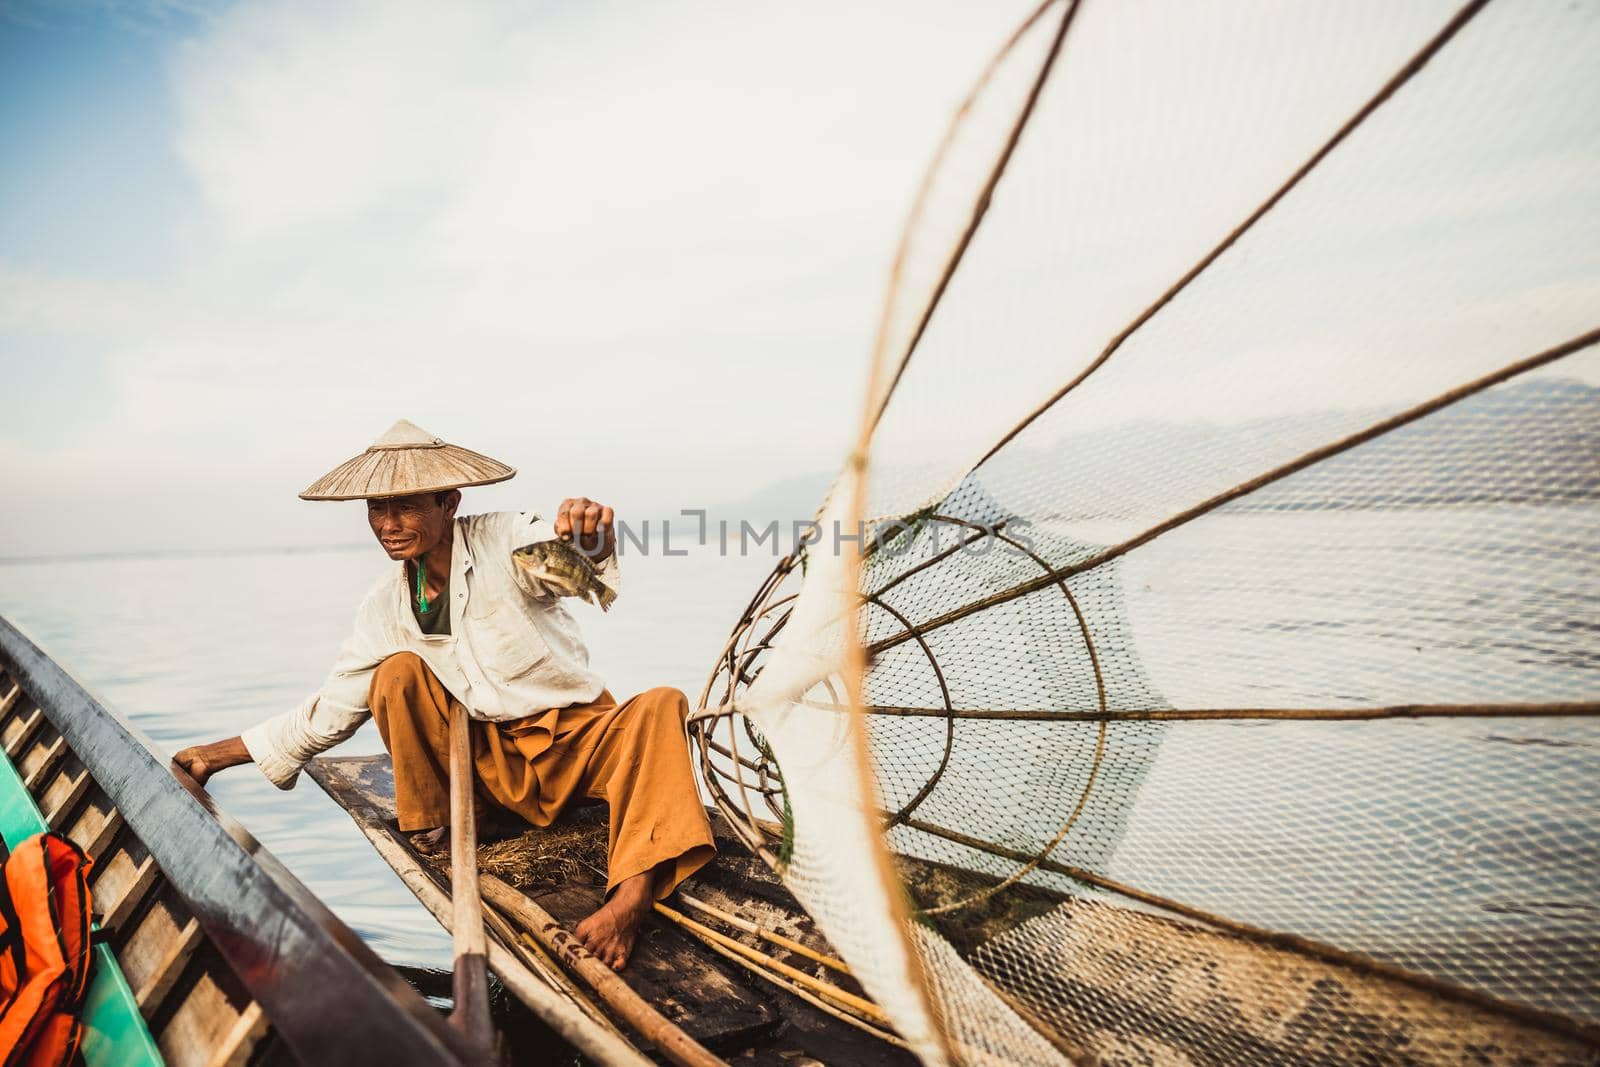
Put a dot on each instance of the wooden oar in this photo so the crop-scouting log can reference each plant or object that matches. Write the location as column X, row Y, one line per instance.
column 673, row 1044
column 470, row 982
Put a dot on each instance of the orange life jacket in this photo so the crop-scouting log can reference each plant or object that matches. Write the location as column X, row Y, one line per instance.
column 44, row 951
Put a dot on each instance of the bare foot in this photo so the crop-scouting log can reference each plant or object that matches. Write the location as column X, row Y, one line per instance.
column 609, row 934
column 428, row 842
column 491, row 827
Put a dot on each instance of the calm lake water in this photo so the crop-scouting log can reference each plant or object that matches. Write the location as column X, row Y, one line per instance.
column 1397, row 836
column 194, row 648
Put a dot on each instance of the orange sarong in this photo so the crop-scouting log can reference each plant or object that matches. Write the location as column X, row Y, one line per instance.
column 634, row 756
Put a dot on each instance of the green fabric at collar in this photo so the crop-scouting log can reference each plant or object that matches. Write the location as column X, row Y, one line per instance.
column 436, row 620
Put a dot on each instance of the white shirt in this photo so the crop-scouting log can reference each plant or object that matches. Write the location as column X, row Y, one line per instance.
column 512, row 649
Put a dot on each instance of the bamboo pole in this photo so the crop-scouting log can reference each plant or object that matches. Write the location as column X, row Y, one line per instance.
column 675, row 1045
column 751, row 967
column 534, row 958
column 845, row 999
column 740, row 923
column 1394, row 711
column 470, row 981
column 557, row 1010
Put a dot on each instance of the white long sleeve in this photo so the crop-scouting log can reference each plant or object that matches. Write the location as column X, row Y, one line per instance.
column 282, row 745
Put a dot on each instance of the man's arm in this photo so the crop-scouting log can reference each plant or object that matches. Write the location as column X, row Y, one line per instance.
column 202, row 761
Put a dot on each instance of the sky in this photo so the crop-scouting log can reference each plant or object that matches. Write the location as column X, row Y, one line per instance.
column 636, row 250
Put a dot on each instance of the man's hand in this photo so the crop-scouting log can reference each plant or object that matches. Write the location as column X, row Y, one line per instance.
column 202, row 761
column 589, row 524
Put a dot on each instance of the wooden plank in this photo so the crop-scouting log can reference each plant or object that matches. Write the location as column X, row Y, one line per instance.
column 115, row 873
column 11, row 700
column 153, row 995
column 116, row 1034
column 95, row 829
column 16, row 722
column 348, row 782
column 330, row 997
column 670, row 1041
column 19, row 815
column 234, row 1049
column 44, row 766
column 32, row 755
column 118, row 913
column 88, row 821
column 19, row 736
column 155, row 952
column 61, row 804
column 692, row 988
column 195, row 1026
column 789, row 1031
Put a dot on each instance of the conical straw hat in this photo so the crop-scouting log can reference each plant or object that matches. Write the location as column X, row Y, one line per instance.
column 406, row 460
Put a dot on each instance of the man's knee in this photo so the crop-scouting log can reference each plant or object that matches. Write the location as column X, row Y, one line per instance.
column 398, row 677
column 402, row 666
column 664, row 703
column 670, row 698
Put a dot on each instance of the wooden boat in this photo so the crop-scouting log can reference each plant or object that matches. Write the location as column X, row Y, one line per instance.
column 742, row 1015
column 210, row 952
column 690, row 962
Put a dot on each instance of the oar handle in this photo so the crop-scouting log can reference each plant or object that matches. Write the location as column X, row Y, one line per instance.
column 470, row 983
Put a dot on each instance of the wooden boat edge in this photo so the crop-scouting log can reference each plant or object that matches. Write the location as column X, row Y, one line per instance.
column 696, row 986
column 285, row 947
column 595, row 1040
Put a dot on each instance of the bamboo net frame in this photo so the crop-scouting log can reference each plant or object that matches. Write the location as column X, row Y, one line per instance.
column 746, row 777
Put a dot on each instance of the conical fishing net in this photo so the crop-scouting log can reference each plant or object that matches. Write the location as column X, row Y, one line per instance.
column 1217, row 681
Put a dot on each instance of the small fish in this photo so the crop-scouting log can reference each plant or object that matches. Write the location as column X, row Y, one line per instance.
column 566, row 570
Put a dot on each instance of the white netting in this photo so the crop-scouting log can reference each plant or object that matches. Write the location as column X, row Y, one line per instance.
column 1233, row 678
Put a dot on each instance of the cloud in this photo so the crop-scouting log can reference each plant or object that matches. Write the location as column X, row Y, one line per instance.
column 138, row 15
column 638, row 250
column 634, row 249
column 295, row 115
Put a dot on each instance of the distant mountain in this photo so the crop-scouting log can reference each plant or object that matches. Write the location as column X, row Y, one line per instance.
column 796, row 497
column 1534, row 441
column 1528, row 442
column 778, row 506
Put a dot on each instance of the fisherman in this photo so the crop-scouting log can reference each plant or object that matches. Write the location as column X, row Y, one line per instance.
column 459, row 623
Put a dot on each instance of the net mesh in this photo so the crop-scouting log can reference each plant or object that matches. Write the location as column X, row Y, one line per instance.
column 1220, row 684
